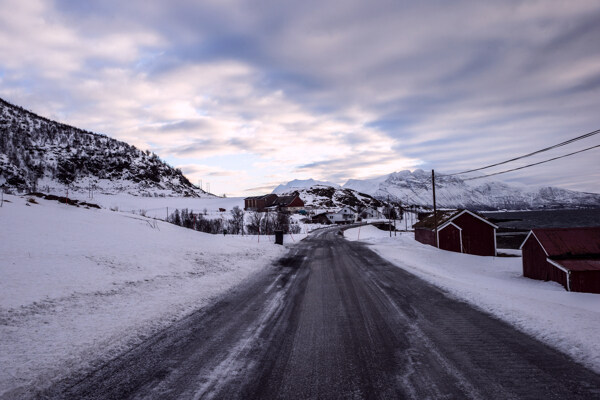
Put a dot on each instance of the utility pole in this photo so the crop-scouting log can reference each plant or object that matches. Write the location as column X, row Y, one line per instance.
column 434, row 209
column 389, row 215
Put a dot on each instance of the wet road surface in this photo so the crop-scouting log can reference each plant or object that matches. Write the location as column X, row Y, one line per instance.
column 335, row 321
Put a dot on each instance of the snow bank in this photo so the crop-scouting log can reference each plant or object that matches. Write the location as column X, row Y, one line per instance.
column 79, row 286
column 567, row 321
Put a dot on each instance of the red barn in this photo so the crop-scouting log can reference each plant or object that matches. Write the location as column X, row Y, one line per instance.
column 461, row 231
column 290, row 203
column 259, row 203
column 569, row 256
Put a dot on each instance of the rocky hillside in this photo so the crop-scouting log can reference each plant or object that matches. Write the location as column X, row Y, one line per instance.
column 37, row 154
column 452, row 192
column 331, row 198
column 299, row 184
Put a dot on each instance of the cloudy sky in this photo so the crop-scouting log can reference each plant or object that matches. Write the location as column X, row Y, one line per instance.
column 249, row 94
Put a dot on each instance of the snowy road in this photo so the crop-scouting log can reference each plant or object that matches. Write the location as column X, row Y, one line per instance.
column 334, row 320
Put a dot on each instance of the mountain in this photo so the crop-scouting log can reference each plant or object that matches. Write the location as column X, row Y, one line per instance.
column 39, row 154
column 334, row 197
column 453, row 192
column 300, row 184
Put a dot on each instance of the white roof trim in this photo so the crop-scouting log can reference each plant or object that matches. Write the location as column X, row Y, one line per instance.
column 448, row 224
column 566, row 271
column 557, row 265
column 536, row 238
column 461, row 213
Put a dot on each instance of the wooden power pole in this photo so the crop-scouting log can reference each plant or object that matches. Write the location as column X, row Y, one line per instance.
column 434, row 209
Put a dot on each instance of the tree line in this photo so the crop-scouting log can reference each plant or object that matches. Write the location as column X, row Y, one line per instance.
column 264, row 223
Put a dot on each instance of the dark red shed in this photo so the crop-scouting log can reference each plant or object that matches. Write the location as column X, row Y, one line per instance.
column 462, row 231
column 569, row 256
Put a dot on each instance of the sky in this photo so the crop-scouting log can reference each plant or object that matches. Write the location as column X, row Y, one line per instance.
column 245, row 95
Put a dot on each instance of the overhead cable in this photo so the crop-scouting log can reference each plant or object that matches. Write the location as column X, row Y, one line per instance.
column 531, row 165
column 530, row 154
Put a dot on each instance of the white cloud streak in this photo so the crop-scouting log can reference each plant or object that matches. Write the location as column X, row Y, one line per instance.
column 325, row 90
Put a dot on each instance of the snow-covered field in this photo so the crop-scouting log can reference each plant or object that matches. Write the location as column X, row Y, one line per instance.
column 157, row 207
column 81, row 285
column 567, row 321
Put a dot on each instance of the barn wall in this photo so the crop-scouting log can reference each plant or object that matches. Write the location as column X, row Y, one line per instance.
column 535, row 265
column 585, row 281
column 297, row 202
column 450, row 238
column 478, row 237
column 557, row 275
column 425, row 236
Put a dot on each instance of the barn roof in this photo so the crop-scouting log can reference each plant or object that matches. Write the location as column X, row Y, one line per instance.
column 445, row 217
column 566, row 242
column 442, row 216
column 285, row 200
column 579, row 265
column 264, row 196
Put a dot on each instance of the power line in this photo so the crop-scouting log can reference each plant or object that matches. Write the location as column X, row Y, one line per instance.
column 531, row 165
column 530, row 154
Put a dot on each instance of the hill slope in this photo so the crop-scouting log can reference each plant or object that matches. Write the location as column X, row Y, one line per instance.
column 37, row 153
column 299, row 184
column 329, row 197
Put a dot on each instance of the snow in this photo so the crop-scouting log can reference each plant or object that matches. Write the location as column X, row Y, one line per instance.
column 157, row 207
column 565, row 320
column 80, row 286
column 453, row 192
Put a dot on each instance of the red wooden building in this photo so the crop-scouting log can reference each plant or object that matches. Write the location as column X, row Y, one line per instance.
column 289, row 203
column 461, row 231
column 259, row 203
column 569, row 256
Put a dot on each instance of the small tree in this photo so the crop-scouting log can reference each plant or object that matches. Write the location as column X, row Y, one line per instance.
column 268, row 223
column 254, row 223
column 237, row 220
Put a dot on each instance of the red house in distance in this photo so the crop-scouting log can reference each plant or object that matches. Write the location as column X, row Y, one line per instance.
column 461, row 231
column 569, row 256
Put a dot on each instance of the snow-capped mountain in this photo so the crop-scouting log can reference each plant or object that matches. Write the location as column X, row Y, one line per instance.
column 453, row 192
column 298, row 184
column 325, row 197
column 40, row 154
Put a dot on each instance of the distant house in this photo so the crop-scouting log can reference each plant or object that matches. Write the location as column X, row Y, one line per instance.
column 569, row 256
column 461, row 231
column 321, row 219
column 344, row 216
column 370, row 213
column 259, row 203
column 290, row 203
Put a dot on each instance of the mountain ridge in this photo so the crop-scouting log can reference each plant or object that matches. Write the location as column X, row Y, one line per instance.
column 453, row 192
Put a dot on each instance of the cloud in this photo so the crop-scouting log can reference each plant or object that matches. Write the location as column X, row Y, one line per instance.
column 330, row 90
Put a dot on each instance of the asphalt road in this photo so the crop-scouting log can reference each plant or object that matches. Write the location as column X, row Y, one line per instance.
column 335, row 321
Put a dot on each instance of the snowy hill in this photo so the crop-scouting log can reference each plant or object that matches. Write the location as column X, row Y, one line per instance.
column 333, row 198
column 297, row 184
column 80, row 286
column 452, row 192
column 37, row 153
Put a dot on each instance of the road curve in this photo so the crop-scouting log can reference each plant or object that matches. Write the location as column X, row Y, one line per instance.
column 335, row 321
